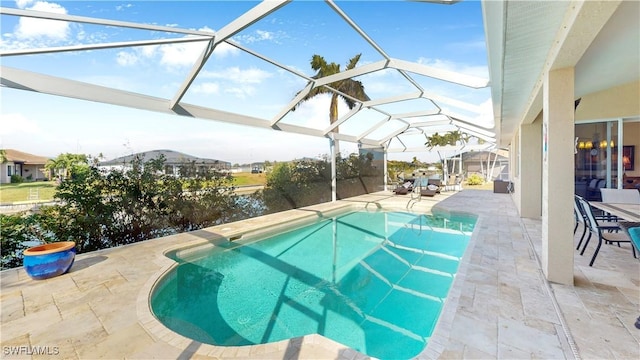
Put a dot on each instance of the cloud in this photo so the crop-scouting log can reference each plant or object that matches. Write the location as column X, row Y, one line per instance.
column 193, row 50
column 314, row 113
column 126, row 58
column 233, row 80
column 174, row 55
column 23, row 3
column 14, row 124
column 30, row 28
column 206, row 88
column 383, row 83
column 123, row 7
column 241, row 92
column 179, row 55
column 237, row 75
column 258, row 36
column 223, row 50
column 474, row 70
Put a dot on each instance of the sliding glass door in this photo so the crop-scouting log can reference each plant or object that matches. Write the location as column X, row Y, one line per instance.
column 605, row 155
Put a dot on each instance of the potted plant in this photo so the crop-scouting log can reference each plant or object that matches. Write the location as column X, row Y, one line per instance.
column 49, row 260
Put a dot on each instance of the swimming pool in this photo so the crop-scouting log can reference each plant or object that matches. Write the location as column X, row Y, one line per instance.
column 374, row 281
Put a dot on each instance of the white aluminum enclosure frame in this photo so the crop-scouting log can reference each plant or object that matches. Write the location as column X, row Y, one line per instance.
column 52, row 85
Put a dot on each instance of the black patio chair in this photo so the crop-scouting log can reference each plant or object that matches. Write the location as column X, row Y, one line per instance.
column 608, row 232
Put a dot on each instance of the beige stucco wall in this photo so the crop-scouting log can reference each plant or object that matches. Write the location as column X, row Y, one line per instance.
column 619, row 102
column 622, row 101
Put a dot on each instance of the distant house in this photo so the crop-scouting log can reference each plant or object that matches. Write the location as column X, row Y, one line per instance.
column 173, row 161
column 254, row 168
column 257, row 168
column 482, row 162
column 29, row 166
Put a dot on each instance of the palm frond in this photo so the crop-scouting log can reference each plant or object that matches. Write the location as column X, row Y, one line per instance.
column 349, row 87
column 353, row 61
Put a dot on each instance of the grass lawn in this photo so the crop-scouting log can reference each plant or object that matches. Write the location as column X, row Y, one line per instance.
column 11, row 193
column 486, row 186
column 246, row 178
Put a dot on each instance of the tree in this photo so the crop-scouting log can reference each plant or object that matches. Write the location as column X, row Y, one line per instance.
column 3, row 156
column 65, row 164
column 350, row 87
column 17, row 233
column 416, row 163
column 435, row 140
column 99, row 209
column 450, row 138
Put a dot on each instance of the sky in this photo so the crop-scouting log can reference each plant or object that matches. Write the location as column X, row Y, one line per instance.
column 449, row 37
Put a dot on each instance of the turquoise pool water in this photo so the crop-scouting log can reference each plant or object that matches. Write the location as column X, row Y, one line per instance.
column 374, row 281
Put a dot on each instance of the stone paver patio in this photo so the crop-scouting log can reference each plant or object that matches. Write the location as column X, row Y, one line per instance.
column 500, row 306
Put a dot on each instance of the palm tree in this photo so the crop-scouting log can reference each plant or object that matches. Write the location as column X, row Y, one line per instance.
column 436, row 140
column 65, row 163
column 450, row 138
column 350, row 87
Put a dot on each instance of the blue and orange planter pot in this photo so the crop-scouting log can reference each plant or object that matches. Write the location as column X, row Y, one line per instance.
column 49, row 260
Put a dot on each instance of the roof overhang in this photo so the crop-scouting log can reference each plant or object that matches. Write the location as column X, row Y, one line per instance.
column 526, row 39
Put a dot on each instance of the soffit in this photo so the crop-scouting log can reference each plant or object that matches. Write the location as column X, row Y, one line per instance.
column 526, row 38
column 530, row 30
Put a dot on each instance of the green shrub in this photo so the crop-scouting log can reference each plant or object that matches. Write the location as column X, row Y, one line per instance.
column 99, row 209
column 475, row 179
column 19, row 231
column 16, row 179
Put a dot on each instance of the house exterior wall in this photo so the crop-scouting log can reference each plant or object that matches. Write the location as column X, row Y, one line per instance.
column 514, row 158
column 558, row 183
column 622, row 101
column 36, row 171
column 24, row 170
column 531, row 170
column 5, row 173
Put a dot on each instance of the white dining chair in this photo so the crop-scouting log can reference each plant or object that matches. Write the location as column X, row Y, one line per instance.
column 620, row 196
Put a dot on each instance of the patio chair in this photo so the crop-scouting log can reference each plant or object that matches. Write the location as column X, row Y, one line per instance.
column 607, row 232
column 580, row 218
column 606, row 221
column 593, row 190
column 404, row 189
column 435, row 182
column 633, row 229
column 426, row 188
column 453, row 183
column 428, row 192
column 634, row 234
column 620, row 196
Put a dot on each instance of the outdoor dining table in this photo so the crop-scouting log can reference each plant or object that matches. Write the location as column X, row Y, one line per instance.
column 629, row 212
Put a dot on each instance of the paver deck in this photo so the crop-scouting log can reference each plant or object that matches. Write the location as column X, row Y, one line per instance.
column 500, row 306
